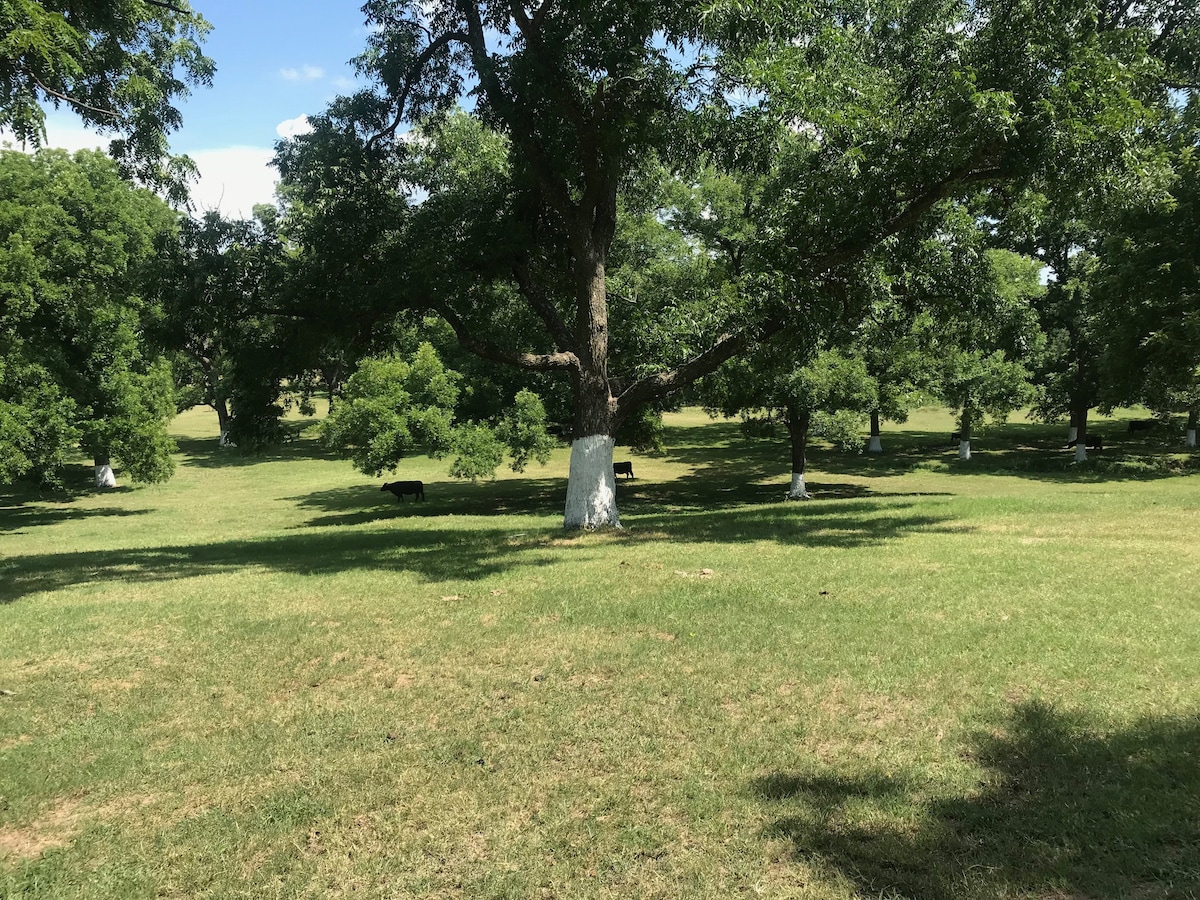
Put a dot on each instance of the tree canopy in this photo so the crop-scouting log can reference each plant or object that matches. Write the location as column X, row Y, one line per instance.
column 121, row 65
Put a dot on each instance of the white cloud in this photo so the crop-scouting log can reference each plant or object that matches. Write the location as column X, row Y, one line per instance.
column 290, row 128
column 67, row 133
column 233, row 180
column 304, row 73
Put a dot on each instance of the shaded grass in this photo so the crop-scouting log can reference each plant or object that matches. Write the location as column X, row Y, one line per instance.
column 266, row 678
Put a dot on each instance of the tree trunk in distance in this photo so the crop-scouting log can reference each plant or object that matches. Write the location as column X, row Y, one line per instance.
column 798, row 433
column 1081, row 436
column 876, row 445
column 104, row 473
column 223, row 420
column 1193, row 415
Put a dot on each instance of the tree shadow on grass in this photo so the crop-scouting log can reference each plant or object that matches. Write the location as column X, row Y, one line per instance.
column 18, row 518
column 363, row 504
column 438, row 549
column 1065, row 809
column 446, row 554
column 718, row 450
column 204, row 453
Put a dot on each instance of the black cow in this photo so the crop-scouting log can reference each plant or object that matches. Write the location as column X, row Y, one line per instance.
column 400, row 488
column 623, row 468
column 1141, row 424
column 1091, row 441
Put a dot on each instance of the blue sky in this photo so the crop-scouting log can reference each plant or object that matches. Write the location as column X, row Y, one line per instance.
column 276, row 62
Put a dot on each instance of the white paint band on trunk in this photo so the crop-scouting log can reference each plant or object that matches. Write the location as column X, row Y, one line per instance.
column 964, row 449
column 105, row 477
column 591, row 488
column 224, row 440
column 1191, row 437
column 798, row 491
column 876, row 445
column 1081, row 452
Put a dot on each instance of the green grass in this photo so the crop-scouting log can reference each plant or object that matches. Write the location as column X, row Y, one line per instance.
column 938, row 679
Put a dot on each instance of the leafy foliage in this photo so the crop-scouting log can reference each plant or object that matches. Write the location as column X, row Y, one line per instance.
column 392, row 406
column 121, row 66
column 77, row 252
column 522, row 430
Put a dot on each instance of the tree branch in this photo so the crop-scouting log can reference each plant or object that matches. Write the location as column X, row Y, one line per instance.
column 662, row 384
column 172, row 7
column 68, row 99
column 966, row 174
column 537, row 362
column 411, row 77
column 542, row 305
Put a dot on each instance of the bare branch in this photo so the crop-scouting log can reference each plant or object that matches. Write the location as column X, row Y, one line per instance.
column 972, row 172
column 172, row 7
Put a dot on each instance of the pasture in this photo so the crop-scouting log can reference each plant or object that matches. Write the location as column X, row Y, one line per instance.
column 937, row 679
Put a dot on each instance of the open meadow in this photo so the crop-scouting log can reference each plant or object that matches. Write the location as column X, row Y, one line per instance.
column 937, row 679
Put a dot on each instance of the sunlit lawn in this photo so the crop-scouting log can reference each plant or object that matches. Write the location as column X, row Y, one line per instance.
column 937, row 679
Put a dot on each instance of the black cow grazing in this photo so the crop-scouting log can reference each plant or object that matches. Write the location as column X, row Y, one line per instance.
column 1091, row 441
column 623, row 468
column 400, row 488
column 1141, row 424
column 956, row 436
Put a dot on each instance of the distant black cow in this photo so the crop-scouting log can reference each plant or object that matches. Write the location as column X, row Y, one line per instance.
column 1091, row 441
column 955, row 436
column 400, row 488
column 623, row 468
column 1141, row 424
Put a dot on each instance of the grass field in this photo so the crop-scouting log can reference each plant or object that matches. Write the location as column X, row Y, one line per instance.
column 937, row 679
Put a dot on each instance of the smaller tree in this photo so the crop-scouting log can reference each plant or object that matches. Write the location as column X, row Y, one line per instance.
column 392, row 406
column 216, row 283
column 984, row 346
column 831, row 396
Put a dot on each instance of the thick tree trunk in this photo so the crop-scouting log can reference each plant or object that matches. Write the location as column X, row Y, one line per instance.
column 798, row 433
column 1073, row 431
column 591, row 488
column 1081, row 417
column 876, row 445
column 104, row 473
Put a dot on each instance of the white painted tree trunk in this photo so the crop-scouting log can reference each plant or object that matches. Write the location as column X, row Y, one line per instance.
column 876, row 445
column 798, row 491
column 1072, row 434
column 105, row 477
column 224, row 440
column 1080, row 452
column 591, row 488
column 1191, row 437
column 964, row 449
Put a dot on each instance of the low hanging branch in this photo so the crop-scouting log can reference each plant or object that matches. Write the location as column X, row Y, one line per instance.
column 537, row 362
